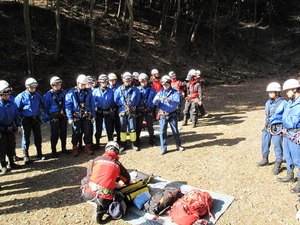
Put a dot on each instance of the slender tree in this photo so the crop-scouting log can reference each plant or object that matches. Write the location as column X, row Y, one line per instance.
column 58, row 30
column 129, row 4
column 28, row 37
column 178, row 13
column 92, row 3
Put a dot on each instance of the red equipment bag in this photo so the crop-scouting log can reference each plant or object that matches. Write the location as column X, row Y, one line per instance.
column 188, row 209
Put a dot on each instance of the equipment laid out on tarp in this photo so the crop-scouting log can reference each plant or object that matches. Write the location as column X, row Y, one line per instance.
column 154, row 200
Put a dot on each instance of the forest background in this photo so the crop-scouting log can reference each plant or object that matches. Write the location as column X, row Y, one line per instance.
column 228, row 40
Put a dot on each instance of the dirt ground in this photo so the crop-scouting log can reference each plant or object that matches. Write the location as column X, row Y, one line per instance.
column 220, row 156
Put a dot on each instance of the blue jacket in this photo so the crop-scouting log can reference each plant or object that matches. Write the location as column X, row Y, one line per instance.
column 291, row 114
column 54, row 101
column 9, row 114
column 126, row 97
column 74, row 98
column 276, row 116
column 115, row 87
column 103, row 98
column 147, row 95
column 171, row 94
column 29, row 104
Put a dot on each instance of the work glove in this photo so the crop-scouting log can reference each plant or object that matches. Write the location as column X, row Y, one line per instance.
column 71, row 122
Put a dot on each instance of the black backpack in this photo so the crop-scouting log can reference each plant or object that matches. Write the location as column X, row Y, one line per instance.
column 162, row 200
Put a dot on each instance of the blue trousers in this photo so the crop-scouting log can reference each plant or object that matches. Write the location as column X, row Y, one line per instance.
column 31, row 124
column 277, row 142
column 163, row 123
column 108, row 120
column 58, row 127
column 127, row 121
column 291, row 152
column 79, row 127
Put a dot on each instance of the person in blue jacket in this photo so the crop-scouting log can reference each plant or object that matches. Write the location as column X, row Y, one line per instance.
column 10, row 124
column 112, row 84
column 30, row 103
column 104, row 103
column 80, row 110
column 274, row 109
column 168, row 101
column 291, row 123
column 127, row 98
column 54, row 107
column 145, row 108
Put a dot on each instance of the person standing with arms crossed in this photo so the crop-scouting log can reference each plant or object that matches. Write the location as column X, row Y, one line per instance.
column 167, row 101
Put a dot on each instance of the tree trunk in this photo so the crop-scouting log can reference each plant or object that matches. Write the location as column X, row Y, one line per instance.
column 58, row 31
column 163, row 18
column 178, row 13
column 28, row 38
column 214, row 27
column 196, row 28
column 106, row 7
column 119, row 9
column 129, row 4
column 92, row 32
column 124, row 12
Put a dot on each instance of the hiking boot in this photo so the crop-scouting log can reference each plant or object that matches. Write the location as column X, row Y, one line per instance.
column 16, row 158
column 184, row 121
column 163, row 152
column 41, row 157
column 296, row 189
column 123, row 146
column 88, row 149
column 276, row 168
column 135, row 146
column 15, row 166
column 65, row 151
column 289, row 177
column 180, row 148
column 4, row 170
column 99, row 217
column 26, row 159
column 263, row 162
column 75, row 151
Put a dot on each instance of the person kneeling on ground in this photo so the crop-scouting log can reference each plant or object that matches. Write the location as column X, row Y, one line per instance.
column 103, row 175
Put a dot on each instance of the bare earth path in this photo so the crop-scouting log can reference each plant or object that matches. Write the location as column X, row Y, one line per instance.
column 220, row 156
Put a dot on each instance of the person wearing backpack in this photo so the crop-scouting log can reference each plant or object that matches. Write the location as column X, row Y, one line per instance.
column 99, row 183
column 272, row 131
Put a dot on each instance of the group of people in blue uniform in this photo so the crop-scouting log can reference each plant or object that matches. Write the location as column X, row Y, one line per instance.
column 90, row 107
column 283, row 128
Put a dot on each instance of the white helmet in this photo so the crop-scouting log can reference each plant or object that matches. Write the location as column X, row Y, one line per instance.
column 290, row 84
column 274, row 86
column 91, row 79
column 197, row 72
column 82, row 79
column 112, row 76
column 165, row 79
column 192, row 72
column 127, row 76
column 154, row 71
column 55, row 81
column 31, row 82
column 112, row 145
column 172, row 73
column 135, row 74
column 143, row 77
column 4, row 87
column 102, row 78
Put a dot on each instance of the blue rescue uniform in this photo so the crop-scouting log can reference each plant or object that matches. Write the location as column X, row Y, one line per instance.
column 29, row 106
column 80, row 108
column 167, row 112
column 145, row 111
column 273, row 128
column 54, row 107
column 104, row 103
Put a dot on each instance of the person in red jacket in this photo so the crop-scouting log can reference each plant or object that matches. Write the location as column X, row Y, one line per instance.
column 103, row 175
column 156, row 84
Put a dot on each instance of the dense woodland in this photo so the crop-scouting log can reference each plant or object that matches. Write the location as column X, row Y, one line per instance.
column 228, row 40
